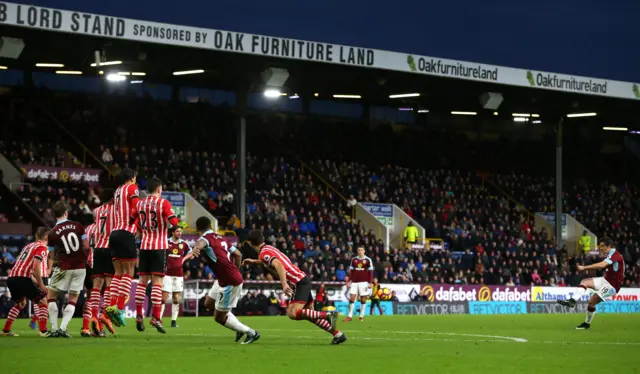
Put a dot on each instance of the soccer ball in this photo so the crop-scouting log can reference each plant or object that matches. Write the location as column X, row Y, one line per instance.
column 384, row 293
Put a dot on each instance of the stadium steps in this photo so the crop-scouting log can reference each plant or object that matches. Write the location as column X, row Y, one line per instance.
column 73, row 144
column 10, row 198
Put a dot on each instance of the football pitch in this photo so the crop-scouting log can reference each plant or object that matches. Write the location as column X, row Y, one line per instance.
column 391, row 344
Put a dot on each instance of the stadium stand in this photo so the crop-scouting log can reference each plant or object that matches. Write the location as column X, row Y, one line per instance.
column 490, row 238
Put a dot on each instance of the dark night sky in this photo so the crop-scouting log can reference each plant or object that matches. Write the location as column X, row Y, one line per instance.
column 593, row 38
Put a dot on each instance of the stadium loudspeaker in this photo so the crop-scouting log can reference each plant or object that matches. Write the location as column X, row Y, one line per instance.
column 491, row 100
column 275, row 77
column 11, row 47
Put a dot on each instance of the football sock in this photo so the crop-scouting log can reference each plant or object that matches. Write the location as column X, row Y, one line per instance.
column 125, row 288
column 578, row 294
column 591, row 312
column 106, row 299
column 36, row 310
column 115, row 290
column 13, row 314
column 310, row 315
column 53, row 314
column 350, row 309
column 42, row 315
column 323, row 324
column 175, row 310
column 162, row 310
column 95, row 302
column 156, row 300
column 232, row 323
column 86, row 315
column 362, row 306
column 140, row 296
column 67, row 314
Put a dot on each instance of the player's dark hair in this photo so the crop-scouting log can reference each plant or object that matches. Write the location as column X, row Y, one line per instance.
column 42, row 232
column 106, row 195
column 60, row 208
column 153, row 184
column 607, row 241
column 203, row 224
column 127, row 174
column 256, row 237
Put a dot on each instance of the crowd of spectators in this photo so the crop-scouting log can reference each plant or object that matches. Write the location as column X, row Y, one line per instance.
column 489, row 239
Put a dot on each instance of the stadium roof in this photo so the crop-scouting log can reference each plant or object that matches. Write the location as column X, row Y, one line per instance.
column 230, row 70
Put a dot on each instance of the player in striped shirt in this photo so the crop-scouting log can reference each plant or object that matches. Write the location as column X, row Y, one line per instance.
column 25, row 281
column 154, row 215
column 295, row 284
column 88, row 283
column 122, row 242
column 103, row 271
column 42, row 314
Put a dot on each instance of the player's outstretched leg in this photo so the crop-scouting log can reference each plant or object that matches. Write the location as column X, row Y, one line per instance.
column 13, row 314
column 324, row 320
column 228, row 320
column 591, row 312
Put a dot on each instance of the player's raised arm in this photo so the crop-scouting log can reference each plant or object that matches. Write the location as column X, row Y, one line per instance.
column 282, row 274
column 599, row 266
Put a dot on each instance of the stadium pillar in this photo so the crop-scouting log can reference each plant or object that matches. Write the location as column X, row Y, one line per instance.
column 242, row 97
column 559, row 200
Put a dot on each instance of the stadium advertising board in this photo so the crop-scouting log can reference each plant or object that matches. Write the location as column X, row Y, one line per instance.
column 178, row 201
column 543, row 294
column 33, row 172
column 424, row 308
column 449, row 293
column 382, row 212
column 497, row 307
column 153, row 32
column 343, row 308
column 615, row 307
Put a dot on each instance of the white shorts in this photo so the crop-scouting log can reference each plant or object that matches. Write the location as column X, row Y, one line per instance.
column 71, row 281
column 172, row 284
column 361, row 289
column 603, row 288
column 226, row 298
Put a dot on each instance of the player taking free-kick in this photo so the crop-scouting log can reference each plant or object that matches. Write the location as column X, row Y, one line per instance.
column 122, row 243
column 71, row 247
column 227, row 289
column 25, row 281
column 154, row 214
column 361, row 278
column 295, row 284
column 173, row 283
column 604, row 287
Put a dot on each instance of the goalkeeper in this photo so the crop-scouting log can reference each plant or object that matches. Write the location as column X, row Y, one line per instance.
column 375, row 298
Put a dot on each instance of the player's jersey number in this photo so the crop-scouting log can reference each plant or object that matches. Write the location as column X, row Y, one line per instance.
column 152, row 220
column 103, row 224
column 225, row 245
column 71, row 242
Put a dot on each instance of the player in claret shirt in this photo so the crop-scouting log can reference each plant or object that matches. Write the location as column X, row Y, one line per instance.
column 71, row 246
column 226, row 291
column 178, row 252
column 25, row 281
column 361, row 278
column 154, row 215
column 295, row 284
column 604, row 287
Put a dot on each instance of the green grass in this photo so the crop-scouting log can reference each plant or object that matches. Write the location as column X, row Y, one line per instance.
column 398, row 344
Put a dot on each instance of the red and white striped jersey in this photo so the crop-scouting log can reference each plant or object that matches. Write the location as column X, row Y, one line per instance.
column 154, row 215
column 125, row 200
column 104, row 217
column 269, row 253
column 24, row 263
column 91, row 235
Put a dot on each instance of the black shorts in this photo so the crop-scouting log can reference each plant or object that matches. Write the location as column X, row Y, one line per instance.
column 375, row 302
column 302, row 291
column 123, row 245
column 102, row 263
column 153, row 261
column 88, row 278
column 23, row 287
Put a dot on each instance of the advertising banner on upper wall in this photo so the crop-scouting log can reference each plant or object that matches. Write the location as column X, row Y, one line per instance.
column 20, row 15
